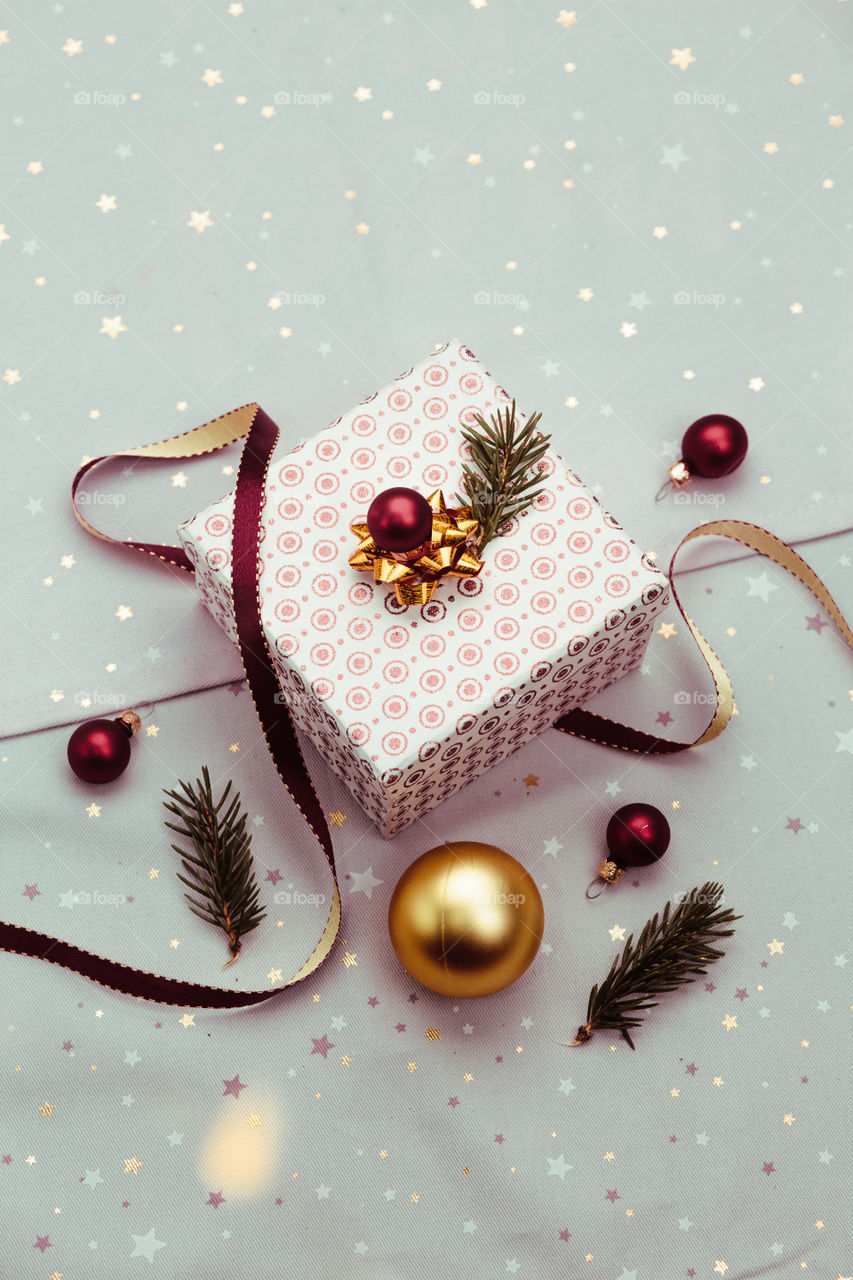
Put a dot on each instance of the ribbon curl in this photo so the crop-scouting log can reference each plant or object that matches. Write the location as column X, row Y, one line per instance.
column 415, row 574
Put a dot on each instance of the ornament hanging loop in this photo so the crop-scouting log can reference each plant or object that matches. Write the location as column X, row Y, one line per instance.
column 598, row 885
column 677, row 477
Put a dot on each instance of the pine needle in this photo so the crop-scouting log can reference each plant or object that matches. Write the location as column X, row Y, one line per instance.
column 219, row 871
column 672, row 950
column 497, row 484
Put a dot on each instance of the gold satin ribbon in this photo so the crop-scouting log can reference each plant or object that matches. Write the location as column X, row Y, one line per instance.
column 611, row 733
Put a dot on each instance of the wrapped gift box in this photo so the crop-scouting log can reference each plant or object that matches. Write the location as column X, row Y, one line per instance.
column 409, row 704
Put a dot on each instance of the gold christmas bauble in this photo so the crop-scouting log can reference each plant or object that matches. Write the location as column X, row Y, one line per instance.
column 466, row 919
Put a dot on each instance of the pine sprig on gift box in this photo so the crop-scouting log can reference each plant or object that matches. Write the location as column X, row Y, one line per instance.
column 497, row 485
column 219, row 871
column 671, row 950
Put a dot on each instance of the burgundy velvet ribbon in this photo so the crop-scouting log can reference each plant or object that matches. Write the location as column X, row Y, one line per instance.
column 275, row 722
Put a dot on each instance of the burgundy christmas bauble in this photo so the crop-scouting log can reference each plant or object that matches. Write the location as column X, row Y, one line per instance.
column 637, row 835
column 714, row 446
column 99, row 751
column 399, row 519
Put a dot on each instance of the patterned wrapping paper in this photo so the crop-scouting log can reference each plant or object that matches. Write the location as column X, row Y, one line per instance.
column 410, row 704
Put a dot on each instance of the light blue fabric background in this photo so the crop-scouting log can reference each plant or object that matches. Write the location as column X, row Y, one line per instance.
column 753, row 1181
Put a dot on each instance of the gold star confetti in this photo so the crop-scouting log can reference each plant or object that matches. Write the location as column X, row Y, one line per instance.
column 179, row 480
column 253, row 1120
column 106, row 203
column 268, row 112
column 235, row 9
column 819, row 1224
column 316, row 997
column 4, row 234
column 151, row 730
column 383, row 1155
column 47, row 582
column 730, row 631
column 411, row 1067
column 47, row 1109
column 756, row 384
column 348, row 960
column 628, row 329
column 414, row 1197
column 56, row 695
column 789, row 1119
column 432, row 1033
column 676, row 804
column 112, row 326
column 667, row 630
column 735, row 224
column 660, row 233
column 729, row 1022
column 567, row 18
column 617, row 933
column 796, row 308
column 681, row 58
column 795, row 78
column 519, row 1048
column 285, row 333
column 572, row 402
column 475, row 158
column 72, row 47
column 673, row 1093
column 94, row 810
column 234, row 748
column 721, row 1267
column 11, row 376
column 718, row 1082
column 362, row 228
column 4, row 37
column 56, row 1275
column 433, row 85
column 362, row 94
column 275, row 975
column 346, row 1060
column 629, row 1213
column 765, row 480
column 154, row 873
column 608, row 1156
column 210, row 77
column 531, row 780
column 337, row 818
column 836, row 121
column 200, row 221
column 826, row 184
column 776, row 948
column 274, row 303
column 468, row 1078
column 585, row 294
column 174, row 944
column 589, row 1257
column 133, row 1165
column 188, row 1020
column 67, row 562
column 771, row 148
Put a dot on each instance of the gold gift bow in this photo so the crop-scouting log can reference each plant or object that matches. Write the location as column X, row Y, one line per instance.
column 414, row 574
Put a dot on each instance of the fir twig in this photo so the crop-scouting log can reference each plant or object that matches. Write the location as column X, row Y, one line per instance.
column 219, row 871
column 497, row 484
column 671, row 950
